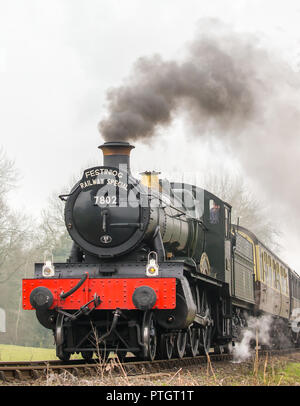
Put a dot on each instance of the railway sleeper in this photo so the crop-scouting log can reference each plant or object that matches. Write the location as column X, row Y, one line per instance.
column 18, row 374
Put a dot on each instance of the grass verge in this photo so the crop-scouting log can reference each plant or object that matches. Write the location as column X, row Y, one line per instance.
column 19, row 353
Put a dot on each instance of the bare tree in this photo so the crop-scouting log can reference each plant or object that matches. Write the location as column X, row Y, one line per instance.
column 7, row 174
column 54, row 237
column 251, row 211
column 15, row 228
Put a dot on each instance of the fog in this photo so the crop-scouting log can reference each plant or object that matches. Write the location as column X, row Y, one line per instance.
column 59, row 60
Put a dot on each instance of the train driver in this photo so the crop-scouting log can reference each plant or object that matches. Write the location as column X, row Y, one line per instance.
column 214, row 213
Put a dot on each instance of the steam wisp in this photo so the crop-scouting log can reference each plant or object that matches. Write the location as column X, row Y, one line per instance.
column 258, row 329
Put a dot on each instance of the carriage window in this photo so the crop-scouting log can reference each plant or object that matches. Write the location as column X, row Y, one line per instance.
column 270, row 270
column 286, row 283
column 262, row 267
column 214, row 212
column 266, row 269
column 277, row 276
column 274, row 274
column 227, row 222
column 283, row 280
column 293, row 287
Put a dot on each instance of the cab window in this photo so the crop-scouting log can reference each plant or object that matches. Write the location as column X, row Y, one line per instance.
column 214, row 212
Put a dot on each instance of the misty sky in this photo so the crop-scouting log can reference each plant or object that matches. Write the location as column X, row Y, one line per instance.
column 58, row 58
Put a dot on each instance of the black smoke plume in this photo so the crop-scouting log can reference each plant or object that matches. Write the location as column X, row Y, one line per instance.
column 214, row 85
column 229, row 85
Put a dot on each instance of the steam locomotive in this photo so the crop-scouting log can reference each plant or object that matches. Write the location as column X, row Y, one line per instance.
column 156, row 269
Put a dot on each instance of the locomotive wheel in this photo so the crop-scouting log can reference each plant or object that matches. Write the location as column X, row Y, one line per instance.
column 149, row 337
column 60, row 338
column 205, row 340
column 193, row 341
column 295, row 338
column 166, row 346
column 180, row 344
column 205, row 331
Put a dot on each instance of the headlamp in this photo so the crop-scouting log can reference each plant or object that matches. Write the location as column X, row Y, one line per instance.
column 152, row 265
column 48, row 269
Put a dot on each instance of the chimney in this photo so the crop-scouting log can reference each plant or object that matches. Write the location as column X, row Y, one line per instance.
column 117, row 153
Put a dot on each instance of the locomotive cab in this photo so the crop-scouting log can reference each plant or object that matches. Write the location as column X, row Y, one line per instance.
column 217, row 220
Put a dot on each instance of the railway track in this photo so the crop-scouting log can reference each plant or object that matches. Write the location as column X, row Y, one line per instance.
column 22, row 370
